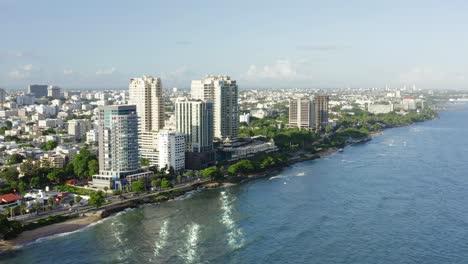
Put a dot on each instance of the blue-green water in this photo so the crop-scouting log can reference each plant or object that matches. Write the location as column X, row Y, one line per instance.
column 401, row 198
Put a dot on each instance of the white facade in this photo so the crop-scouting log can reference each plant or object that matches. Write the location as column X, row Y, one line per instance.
column 301, row 113
column 146, row 94
column 224, row 93
column 194, row 119
column 244, row 118
column 92, row 136
column 49, row 122
column 380, row 108
column 171, row 147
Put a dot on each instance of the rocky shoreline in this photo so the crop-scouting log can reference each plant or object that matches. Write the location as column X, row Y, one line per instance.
column 31, row 236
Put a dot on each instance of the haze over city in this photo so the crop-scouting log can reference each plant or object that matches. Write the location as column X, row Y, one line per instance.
column 304, row 44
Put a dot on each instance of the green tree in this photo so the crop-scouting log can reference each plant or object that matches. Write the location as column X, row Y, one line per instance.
column 138, row 186
column 97, row 199
column 144, row 162
column 50, row 145
column 165, row 184
column 21, row 186
column 241, row 167
column 81, row 163
column 212, row 173
column 9, row 174
column 8, row 124
column 15, row 159
column 156, row 183
column 56, row 175
column 93, row 167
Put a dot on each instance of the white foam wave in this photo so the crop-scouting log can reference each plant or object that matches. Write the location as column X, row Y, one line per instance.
column 277, row 177
column 300, row 174
column 235, row 235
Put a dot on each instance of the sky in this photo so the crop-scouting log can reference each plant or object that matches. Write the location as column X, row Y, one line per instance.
column 262, row 44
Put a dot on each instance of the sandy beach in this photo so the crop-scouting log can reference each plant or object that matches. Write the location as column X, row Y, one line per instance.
column 46, row 231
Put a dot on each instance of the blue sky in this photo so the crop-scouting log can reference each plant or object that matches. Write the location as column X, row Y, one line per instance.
column 280, row 44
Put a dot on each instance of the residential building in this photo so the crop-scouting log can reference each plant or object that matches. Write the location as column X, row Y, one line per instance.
column 146, row 94
column 118, row 145
column 321, row 111
column 79, row 127
column 301, row 113
column 171, row 147
column 26, row 99
column 244, row 118
column 92, row 137
column 53, row 160
column 194, row 119
column 380, row 108
column 2, row 97
column 39, row 90
column 53, row 91
column 223, row 91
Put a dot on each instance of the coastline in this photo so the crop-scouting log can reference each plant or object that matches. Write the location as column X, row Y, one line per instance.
column 30, row 236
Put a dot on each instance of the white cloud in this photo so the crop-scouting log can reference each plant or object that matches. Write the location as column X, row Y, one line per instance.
column 27, row 67
column 282, row 69
column 18, row 75
column 22, row 72
column 67, row 71
column 106, row 71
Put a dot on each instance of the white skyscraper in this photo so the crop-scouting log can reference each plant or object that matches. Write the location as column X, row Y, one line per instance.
column 171, row 147
column 301, row 113
column 194, row 118
column 146, row 93
column 224, row 93
column 118, row 147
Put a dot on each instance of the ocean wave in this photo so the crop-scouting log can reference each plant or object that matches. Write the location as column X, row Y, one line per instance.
column 235, row 235
column 188, row 194
column 277, row 177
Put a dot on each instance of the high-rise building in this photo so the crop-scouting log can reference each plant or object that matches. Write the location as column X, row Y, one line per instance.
column 118, row 144
column 301, row 113
column 224, row 93
column 39, row 90
column 2, row 97
column 146, row 93
column 194, row 118
column 321, row 111
column 53, row 91
column 171, row 147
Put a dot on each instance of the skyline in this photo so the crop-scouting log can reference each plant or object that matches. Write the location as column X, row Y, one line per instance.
column 261, row 44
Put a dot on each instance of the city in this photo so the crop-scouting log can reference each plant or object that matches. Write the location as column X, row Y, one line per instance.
column 61, row 147
column 233, row 132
